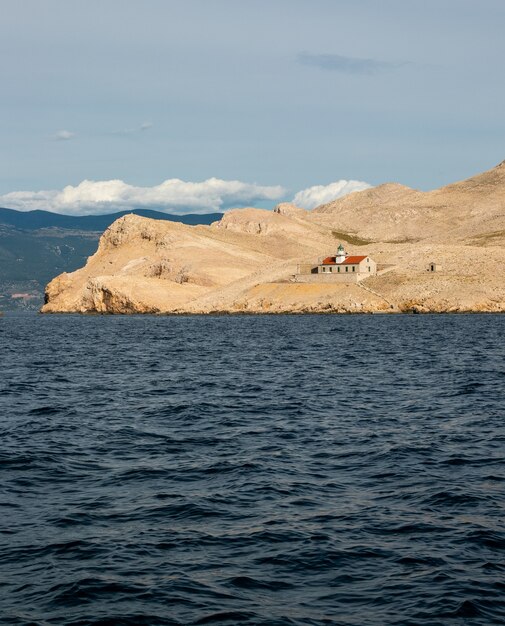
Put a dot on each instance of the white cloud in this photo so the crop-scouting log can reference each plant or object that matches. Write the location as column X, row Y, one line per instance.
column 312, row 197
column 141, row 128
column 172, row 196
column 63, row 135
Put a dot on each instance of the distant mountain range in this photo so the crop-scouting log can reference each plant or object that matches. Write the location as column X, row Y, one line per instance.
column 36, row 246
column 34, row 220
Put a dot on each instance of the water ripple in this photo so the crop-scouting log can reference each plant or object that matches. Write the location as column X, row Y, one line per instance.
column 266, row 471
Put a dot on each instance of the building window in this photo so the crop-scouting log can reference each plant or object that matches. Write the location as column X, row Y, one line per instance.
column 338, row 269
column 368, row 268
column 346, row 268
column 353, row 268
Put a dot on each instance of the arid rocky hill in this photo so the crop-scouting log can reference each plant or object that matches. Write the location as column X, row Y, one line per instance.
column 245, row 262
column 466, row 211
column 37, row 245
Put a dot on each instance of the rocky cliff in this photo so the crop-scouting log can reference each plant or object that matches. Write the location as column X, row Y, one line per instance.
column 245, row 262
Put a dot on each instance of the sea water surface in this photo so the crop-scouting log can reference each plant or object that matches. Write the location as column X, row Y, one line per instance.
column 256, row 470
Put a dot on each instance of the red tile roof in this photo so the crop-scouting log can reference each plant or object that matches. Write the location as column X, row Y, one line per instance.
column 350, row 260
column 353, row 260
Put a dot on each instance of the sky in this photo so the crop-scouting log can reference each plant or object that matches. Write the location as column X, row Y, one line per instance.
column 202, row 105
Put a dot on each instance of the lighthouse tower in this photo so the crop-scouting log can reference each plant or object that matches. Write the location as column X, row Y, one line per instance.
column 341, row 254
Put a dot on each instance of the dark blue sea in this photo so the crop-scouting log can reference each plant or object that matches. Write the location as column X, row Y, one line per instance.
column 252, row 470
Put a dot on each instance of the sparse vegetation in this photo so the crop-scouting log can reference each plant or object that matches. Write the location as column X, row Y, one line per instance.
column 405, row 240
column 354, row 240
column 485, row 238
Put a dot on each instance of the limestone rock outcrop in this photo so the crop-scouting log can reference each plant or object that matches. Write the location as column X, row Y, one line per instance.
column 291, row 210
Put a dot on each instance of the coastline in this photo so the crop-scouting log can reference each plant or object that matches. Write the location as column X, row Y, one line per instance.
column 222, row 313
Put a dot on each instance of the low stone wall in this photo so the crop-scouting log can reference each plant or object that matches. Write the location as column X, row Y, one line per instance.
column 305, row 275
column 330, row 278
column 306, row 268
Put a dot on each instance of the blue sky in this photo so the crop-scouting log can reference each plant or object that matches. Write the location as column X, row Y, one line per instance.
column 278, row 96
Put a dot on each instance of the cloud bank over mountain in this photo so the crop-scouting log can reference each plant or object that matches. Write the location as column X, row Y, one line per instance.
column 171, row 196
column 321, row 194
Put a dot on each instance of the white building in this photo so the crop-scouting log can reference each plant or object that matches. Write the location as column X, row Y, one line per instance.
column 344, row 264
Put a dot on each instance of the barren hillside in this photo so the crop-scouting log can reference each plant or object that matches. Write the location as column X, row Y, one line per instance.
column 246, row 261
column 468, row 211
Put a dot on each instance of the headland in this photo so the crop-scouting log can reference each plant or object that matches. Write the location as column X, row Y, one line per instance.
column 438, row 251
